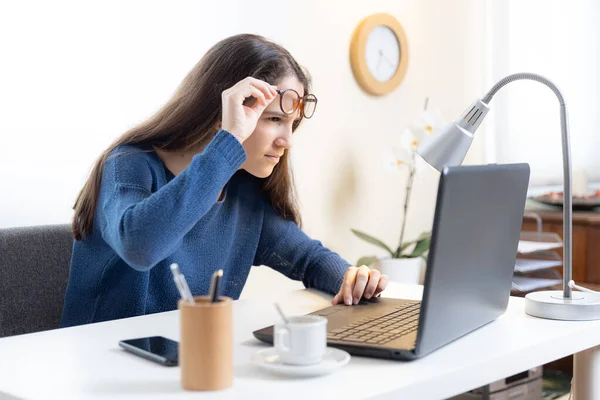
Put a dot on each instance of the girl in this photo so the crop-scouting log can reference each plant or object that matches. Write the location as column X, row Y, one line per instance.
column 205, row 183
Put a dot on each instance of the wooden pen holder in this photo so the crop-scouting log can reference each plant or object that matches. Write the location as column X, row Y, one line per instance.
column 206, row 344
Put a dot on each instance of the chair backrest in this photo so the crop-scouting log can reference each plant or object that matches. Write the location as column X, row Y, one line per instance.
column 34, row 270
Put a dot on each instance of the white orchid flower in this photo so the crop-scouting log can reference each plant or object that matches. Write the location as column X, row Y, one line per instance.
column 425, row 124
column 402, row 151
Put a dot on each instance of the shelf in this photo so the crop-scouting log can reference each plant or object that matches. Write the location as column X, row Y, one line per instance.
column 537, row 261
column 531, row 242
column 527, row 284
column 524, row 265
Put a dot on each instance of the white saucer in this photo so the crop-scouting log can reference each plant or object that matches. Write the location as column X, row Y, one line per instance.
column 333, row 359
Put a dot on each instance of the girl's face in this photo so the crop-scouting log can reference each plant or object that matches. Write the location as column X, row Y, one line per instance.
column 273, row 134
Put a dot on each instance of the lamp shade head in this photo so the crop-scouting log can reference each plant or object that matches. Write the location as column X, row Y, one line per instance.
column 447, row 147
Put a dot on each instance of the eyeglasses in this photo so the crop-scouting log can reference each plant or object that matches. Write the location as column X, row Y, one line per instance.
column 290, row 101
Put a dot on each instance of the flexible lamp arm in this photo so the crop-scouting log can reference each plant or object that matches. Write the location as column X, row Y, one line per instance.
column 567, row 198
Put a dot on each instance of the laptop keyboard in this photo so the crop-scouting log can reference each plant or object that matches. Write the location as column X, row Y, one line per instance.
column 380, row 330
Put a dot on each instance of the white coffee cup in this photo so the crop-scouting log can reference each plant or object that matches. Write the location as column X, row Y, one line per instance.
column 302, row 341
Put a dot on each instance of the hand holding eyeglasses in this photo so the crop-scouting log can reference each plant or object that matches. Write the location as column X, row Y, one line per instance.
column 245, row 101
column 240, row 119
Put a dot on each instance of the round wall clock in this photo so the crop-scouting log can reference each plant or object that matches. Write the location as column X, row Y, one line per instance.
column 379, row 54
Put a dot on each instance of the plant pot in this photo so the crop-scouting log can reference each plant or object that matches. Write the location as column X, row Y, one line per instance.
column 405, row 270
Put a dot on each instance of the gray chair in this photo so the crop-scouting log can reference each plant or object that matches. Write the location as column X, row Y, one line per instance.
column 34, row 270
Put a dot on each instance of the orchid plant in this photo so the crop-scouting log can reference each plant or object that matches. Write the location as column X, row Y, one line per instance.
column 402, row 159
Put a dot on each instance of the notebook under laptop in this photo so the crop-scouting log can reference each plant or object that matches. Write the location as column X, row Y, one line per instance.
column 478, row 216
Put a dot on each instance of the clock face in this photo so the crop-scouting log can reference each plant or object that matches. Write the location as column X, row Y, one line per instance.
column 382, row 53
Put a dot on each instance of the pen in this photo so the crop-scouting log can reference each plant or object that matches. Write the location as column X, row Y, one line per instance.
column 181, row 284
column 175, row 271
column 186, row 288
column 215, row 285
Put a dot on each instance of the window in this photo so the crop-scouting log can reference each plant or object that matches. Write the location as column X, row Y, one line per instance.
column 559, row 40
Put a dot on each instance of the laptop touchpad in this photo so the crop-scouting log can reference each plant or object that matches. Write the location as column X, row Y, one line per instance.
column 330, row 310
column 341, row 307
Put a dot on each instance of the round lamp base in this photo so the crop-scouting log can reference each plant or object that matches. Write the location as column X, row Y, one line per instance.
column 551, row 304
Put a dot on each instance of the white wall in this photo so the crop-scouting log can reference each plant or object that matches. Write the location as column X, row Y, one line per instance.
column 74, row 75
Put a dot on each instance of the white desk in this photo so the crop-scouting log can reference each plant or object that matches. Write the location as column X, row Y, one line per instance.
column 86, row 362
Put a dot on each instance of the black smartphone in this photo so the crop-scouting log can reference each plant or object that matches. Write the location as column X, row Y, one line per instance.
column 155, row 348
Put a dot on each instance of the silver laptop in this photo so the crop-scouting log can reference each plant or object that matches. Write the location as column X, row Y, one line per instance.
column 476, row 227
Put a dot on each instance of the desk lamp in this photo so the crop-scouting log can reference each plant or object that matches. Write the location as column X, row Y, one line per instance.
column 449, row 146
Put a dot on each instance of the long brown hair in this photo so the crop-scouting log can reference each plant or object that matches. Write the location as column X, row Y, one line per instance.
column 189, row 119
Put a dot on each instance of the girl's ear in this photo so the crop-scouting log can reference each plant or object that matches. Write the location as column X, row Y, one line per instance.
column 218, row 125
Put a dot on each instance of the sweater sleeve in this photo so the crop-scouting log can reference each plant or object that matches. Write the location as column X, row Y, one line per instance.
column 144, row 228
column 284, row 247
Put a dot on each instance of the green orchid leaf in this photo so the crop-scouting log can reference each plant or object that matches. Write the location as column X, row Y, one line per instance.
column 405, row 245
column 421, row 247
column 424, row 235
column 372, row 240
column 366, row 261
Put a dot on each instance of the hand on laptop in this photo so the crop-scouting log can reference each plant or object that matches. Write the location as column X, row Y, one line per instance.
column 358, row 283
